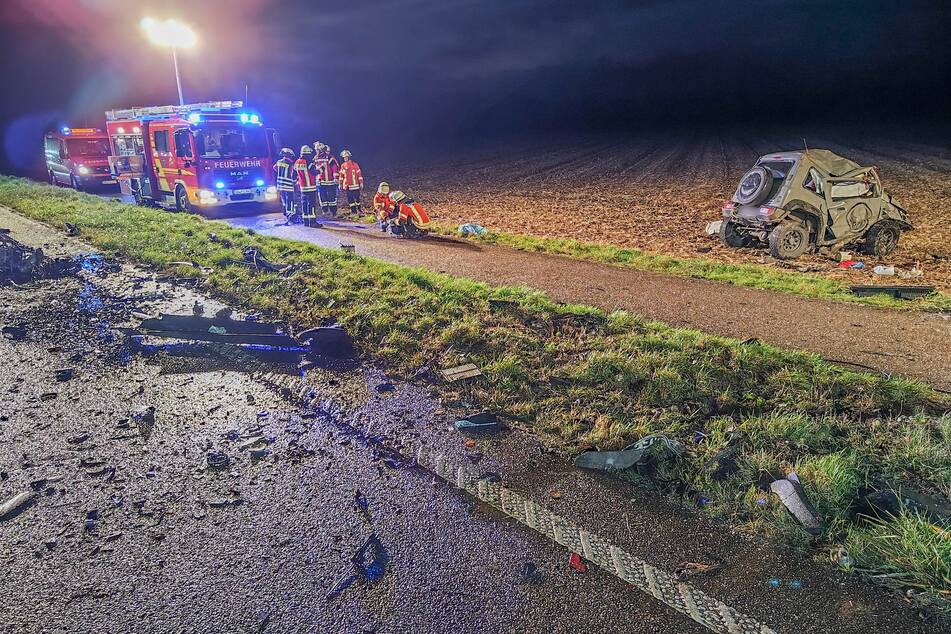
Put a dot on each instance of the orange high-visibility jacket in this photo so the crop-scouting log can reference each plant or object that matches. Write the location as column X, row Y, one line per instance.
column 383, row 205
column 350, row 175
column 306, row 175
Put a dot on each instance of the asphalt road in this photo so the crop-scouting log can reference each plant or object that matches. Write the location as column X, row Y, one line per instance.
column 175, row 546
column 910, row 343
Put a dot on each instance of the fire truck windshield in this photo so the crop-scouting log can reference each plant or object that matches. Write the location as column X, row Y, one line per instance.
column 87, row 147
column 231, row 141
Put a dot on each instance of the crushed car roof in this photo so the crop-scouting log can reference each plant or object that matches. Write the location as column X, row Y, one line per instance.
column 827, row 160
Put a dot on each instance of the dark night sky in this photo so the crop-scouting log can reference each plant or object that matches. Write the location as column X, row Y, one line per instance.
column 405, row 73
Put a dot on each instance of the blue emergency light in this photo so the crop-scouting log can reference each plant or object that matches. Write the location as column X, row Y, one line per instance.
column 259, row 182
column 244, row 117
column 66, row 130
column 219, row 185
column 194, row 117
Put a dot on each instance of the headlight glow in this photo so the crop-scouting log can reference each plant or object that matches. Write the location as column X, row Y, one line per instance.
column 83, row 169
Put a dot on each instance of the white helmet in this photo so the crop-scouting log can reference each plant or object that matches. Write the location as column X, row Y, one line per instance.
column 397, row 196
column 345, row 154
column 384, row 188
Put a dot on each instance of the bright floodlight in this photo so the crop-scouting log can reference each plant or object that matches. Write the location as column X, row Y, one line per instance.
column 169, row 33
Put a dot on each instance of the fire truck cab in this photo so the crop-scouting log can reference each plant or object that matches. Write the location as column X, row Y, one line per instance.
column 192, row 156
column 78, row 157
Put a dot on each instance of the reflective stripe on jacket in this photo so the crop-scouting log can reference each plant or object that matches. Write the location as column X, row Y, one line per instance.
column 328, row 169
column 285, row 175
column 350, row 175
column 306, row 175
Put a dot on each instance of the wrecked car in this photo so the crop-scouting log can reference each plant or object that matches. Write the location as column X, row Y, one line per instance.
column 812, row 200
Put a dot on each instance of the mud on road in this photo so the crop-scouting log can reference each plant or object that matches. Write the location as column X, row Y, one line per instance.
column 131, row 530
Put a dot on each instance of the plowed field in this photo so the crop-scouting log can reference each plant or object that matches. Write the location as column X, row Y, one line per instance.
column 658, row 194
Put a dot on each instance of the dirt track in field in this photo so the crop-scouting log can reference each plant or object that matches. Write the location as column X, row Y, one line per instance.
column 658, row 193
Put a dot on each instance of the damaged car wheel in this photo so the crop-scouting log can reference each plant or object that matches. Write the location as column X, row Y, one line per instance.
column 881, row 239
column 755, row 186
column 788, row 240
column 732, row 238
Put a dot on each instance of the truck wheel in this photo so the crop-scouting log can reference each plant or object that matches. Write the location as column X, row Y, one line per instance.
column 881, row 239
column 181, row 200
column 788, row 240
column 731, row 237
column 754, row 186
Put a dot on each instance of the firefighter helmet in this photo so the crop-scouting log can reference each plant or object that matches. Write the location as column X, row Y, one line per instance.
column 397, row 196
column 345, row 154
column 384, row 188
column 305, row 149
column 287, row 152
column 318, row 146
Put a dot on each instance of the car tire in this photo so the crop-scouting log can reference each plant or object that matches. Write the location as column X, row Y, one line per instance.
column 182, row 203
column 788, row 240
column 881, row 239
column 754, row 186
column 732, row 238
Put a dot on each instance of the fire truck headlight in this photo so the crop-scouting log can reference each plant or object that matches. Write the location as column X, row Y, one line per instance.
column 205, row 194
column 271, row 190
column 83, row 169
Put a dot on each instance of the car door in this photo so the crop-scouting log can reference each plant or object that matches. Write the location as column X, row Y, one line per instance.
column 854, row 204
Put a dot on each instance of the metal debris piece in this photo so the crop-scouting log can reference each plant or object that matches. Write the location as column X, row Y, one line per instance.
column 479, row 423
column 898, row 292
column 217, row 460
column 20, row 263
column 385, row 387
column 331, row 341
column 15, row 332
column 64, row 374
column 889, row 502
column 636, row 454
column 794, row 498
column 251, row 442
column 688, row 569
column 460, row 372
column 78, row 438
column 15, row 505
column 530, row 574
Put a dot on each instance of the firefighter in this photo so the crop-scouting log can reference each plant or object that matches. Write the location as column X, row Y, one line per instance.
column 351, row 180
column 285, row 181
column 307, row 182
column 384, row 207
column 328, row 171
column 410, row 219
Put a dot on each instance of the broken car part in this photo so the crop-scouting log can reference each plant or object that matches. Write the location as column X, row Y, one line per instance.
column 794, row 498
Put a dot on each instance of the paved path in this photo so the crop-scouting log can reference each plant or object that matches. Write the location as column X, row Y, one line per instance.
column 910, row 343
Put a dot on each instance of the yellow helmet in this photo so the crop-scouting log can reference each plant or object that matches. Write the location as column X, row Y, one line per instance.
column 305, row 149
column 384, row 188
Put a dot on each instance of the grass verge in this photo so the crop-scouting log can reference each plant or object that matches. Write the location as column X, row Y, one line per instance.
column 751, row 275
column 574, row 374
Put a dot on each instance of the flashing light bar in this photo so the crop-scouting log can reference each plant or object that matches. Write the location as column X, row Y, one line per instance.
column 152, row 111
column 66, row 130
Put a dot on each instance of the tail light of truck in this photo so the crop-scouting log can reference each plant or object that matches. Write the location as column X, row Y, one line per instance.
column 729, row 206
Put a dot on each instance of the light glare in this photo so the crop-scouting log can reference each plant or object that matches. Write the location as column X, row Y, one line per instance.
column 169, row 33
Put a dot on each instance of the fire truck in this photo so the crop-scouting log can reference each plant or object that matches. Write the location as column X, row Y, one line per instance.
column 192, row 156
column 78, row 157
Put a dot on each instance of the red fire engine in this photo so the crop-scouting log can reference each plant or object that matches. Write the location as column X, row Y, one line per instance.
column 195, row 155
column 78, row 157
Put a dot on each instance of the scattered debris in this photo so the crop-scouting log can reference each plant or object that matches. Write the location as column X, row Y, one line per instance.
column 640, row 453
column 881, row 269
column 16, row 505
column 793, row 497
column 458, row 373
column 71, row 229
column 576, row 562
column 64, row 374
column 15, row 332
column 331, row 341
column 898, row 292
column 348, row 248
column 471, row 229
column 889, row 502
column 844, row 256
column 254, row 259
column 251, row 442
column 20, row 263
column 555, row 495
column 78, row 438
column 688, row 569
column 385, row 387
column 217, row 460
column 363, row 505
column 713, row 228
column 92, row 516
column 258, row 454
column 370, row 561
column 531, row 574
column 480, row 423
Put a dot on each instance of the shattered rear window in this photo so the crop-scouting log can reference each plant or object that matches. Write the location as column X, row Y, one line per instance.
column 781, row 170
